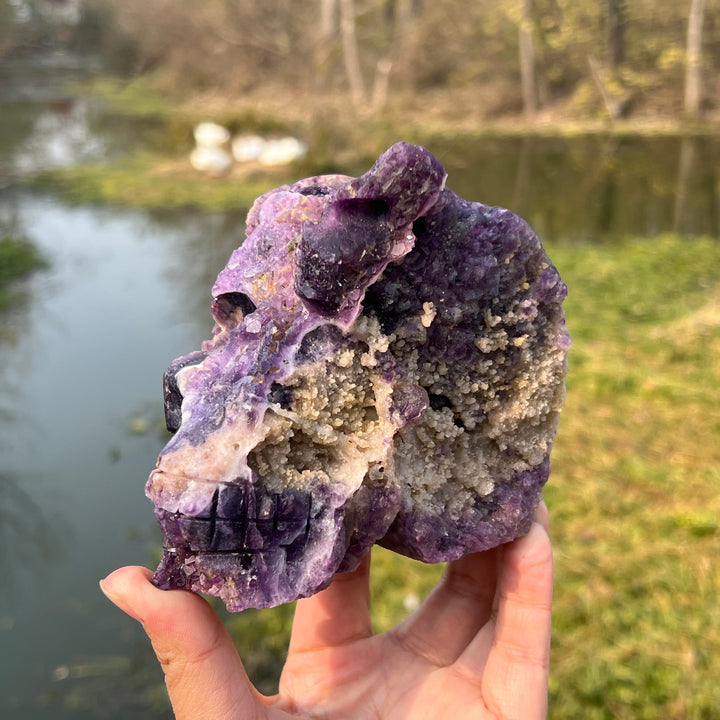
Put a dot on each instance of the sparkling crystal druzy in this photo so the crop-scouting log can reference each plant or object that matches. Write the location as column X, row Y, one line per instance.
column 387, row 366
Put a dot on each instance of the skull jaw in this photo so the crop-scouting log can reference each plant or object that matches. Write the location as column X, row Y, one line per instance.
column 222, row 503
column 276, row 547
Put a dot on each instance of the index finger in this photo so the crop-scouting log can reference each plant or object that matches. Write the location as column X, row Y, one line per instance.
column 203, row 672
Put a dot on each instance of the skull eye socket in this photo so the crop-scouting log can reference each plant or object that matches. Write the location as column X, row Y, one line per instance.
column 229, row 309
column 171, row 391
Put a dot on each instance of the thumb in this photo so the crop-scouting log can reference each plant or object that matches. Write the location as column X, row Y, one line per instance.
column 203, row 672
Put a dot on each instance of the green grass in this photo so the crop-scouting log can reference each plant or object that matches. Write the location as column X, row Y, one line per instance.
column 635, row 491
column 18, row 260
column 150, row 181
column 137, row 99
column 634, row 494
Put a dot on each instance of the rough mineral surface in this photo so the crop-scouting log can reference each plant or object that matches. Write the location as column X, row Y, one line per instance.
column 387, row 366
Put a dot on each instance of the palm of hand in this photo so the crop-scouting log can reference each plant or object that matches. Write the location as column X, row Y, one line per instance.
column 371, row 680
column 377, row 678
column 455, row 657
column 478, row 647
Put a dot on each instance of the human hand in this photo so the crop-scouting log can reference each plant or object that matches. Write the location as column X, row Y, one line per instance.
column 477, row 647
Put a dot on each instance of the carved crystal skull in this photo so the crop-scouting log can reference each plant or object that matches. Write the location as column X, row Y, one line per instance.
column 387, row 366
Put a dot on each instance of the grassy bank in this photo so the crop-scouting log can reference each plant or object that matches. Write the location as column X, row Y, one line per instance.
column 154, row 182
column 634, row 494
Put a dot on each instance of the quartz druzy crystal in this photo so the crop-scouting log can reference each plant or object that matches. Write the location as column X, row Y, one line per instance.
column 387, row 366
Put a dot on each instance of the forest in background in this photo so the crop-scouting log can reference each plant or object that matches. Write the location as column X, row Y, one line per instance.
column 537, row 59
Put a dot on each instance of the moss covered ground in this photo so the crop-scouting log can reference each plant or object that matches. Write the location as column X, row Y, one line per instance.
column 634, row 495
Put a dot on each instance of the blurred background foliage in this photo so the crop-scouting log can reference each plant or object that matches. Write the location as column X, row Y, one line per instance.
column 613, row 57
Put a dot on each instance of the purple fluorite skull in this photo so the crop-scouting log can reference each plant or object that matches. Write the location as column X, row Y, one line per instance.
column 387, row 366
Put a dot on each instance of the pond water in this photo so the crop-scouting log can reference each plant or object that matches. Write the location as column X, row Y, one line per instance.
column 594, row 188
column 125, row 292
column 80, row 426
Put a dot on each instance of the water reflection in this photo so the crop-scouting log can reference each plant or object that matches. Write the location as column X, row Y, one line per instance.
column 29, row 537
column 593, row 188
column 124, row 294
column 697, row 188
column 108, row 686
column 59, row 130
column 685, row 168
column 59, row 137
column 198, row 256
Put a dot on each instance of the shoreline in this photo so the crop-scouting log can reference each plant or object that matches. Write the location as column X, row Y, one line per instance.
column 337, row 140
column 429, row 113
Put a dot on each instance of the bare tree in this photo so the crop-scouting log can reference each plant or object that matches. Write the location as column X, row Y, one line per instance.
column 390, row 47
column 402, row 28
column 528, row 79
column 616, row 21
column 351, row 54
column 693, row 77
column 324, row 47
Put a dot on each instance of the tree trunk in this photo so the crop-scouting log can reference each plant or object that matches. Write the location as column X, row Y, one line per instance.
column 350, row 52
column 616, row 21
column 324, row 45
column 327, row 18
column 611, row 105
column 402, row 18
column 693, row 79
column 527, row 60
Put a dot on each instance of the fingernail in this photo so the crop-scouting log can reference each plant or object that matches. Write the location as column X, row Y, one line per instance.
column 116, row 599
column 108, row 593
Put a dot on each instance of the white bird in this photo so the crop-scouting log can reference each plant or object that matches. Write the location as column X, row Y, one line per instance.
column 214, row 161
column 247, row 147
column 282, row 152
column 210, row 135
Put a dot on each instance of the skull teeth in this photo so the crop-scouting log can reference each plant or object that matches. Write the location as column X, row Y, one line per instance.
column 241, row 518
